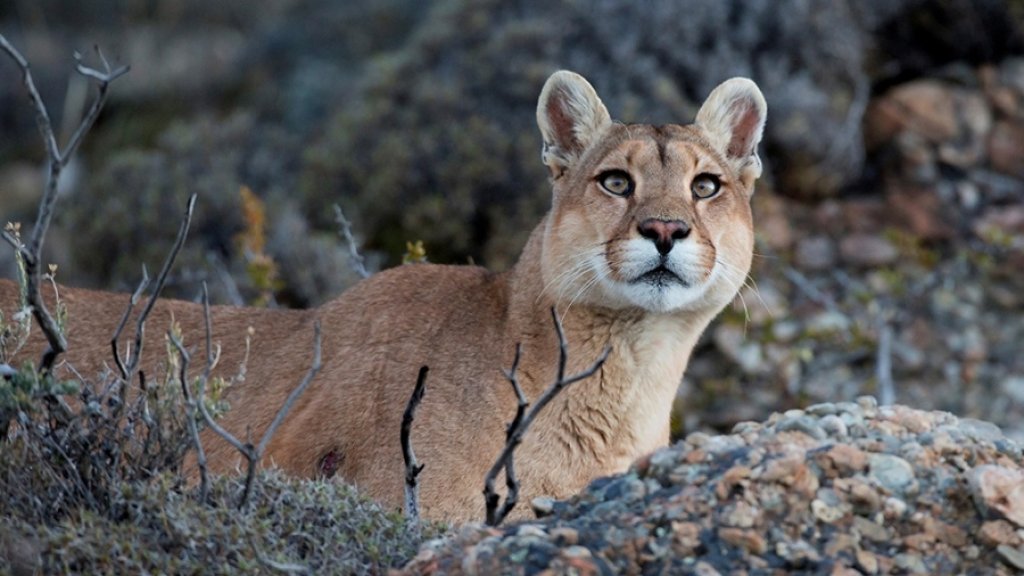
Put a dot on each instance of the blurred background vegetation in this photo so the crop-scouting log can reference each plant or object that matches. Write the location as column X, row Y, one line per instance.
column 890, row 218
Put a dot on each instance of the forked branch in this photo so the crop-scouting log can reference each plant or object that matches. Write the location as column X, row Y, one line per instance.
column 190, row 416
column 135, row 355
column 521, row 423
column 253, row 454
column 412, row 468
column 57, row 159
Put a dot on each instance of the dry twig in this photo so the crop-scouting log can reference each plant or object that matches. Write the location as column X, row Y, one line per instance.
column 412, row 468
column 124, row 321
column 517, row 429
column 140, row 323
column 190, row 416
column 356, row 259
column 253, row 454
column 31, row 252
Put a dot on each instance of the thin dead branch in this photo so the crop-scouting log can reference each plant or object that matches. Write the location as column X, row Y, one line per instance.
column 809, row 289
column 31, row 252
column 190, row 416
column 254, row 453
column 412, row 468
column 517, row 430
column 124, row 322
column 511, row 482
column 355, row 259
column 140, row 323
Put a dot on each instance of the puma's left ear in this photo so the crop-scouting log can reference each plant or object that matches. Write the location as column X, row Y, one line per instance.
column 733, row 117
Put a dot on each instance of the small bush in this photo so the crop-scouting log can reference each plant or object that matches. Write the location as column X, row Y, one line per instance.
column 159, row 528
column 93, row 482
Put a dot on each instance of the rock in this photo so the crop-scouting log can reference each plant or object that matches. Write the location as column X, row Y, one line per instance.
column 1012, row 556
column 980, row 430
column 920, row 211
column 749, row 540
column 847, row 459
column 725, row 502
column 891, row 472
column 802, row 423
column 542, row 506
column 924, row 106
column 815, row 253
column 911, row 563
column 867, row 250
column 867, row 561
column 828, row 322
column 996, row 532
column 1000, row 225
column 1006, row 148
column 565, row 535
column 998, row 490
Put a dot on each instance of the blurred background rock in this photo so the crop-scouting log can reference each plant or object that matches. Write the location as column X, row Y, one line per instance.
column 890, row 219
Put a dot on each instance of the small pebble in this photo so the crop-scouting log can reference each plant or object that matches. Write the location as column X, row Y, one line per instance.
column 1012, row 556
column 834, row 426
column 802, row 423
column 892, row 472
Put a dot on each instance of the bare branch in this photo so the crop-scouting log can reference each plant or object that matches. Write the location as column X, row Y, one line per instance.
column 287, row 406
column 190, row 415
column 140, row 323
column 809, row 290
column 103, row 80
column 517, row 430
column 412, row 469
column 252, row 453
column 31, row 252
column 511, row 483
column 124, row 321
column 42, row 116
column 355, row 259
column 11, row 240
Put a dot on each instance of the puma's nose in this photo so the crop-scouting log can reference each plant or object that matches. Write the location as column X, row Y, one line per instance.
column 664, row 233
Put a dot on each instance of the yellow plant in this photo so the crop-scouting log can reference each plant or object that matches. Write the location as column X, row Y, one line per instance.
column 415, row 253
column 260, row 266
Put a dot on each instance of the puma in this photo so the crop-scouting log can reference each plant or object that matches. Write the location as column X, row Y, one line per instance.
column 649, row 236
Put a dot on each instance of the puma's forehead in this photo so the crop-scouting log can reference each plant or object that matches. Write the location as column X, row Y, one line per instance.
column 667, row 145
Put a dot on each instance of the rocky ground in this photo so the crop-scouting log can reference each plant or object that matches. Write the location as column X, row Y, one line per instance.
column 909, row 288
column 839, row 488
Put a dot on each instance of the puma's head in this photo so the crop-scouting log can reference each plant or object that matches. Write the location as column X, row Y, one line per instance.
column 649, row 217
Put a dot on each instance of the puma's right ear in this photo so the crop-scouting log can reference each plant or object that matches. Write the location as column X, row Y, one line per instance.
column 571, row 117
column 733, row 117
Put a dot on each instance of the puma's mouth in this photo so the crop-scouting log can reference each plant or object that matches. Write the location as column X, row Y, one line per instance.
column 660, row 276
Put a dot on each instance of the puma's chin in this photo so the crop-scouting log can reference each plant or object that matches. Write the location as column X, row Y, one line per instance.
column 661, row 290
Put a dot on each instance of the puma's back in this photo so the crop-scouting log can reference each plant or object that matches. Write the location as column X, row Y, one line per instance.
column 649, row 236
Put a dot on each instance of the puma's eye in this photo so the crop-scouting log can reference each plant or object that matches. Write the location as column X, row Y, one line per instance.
column 616, row 182
column 705, row 186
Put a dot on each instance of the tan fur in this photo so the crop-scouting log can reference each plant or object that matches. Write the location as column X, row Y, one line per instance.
column 464, row 322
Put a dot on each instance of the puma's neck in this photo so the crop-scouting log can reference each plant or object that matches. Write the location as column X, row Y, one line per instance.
column 624, row 409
